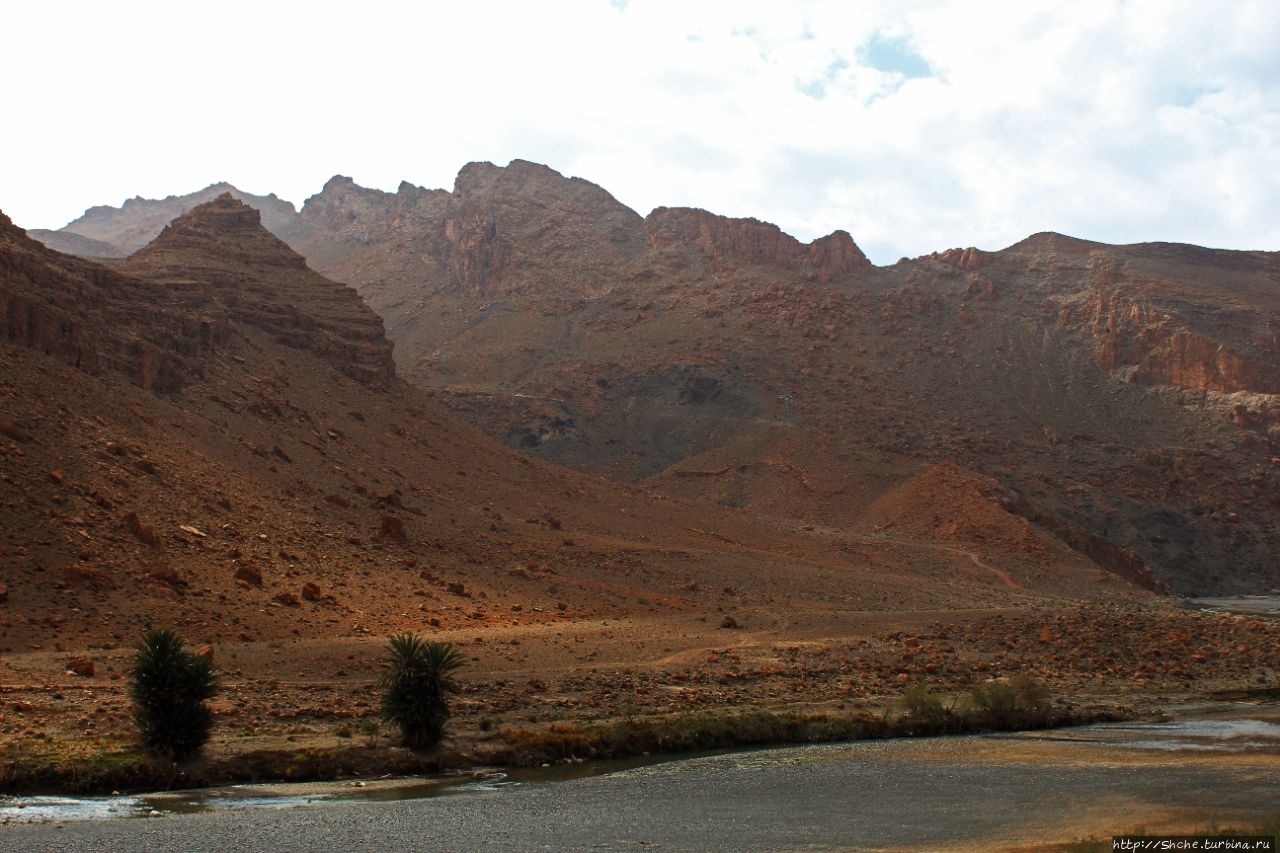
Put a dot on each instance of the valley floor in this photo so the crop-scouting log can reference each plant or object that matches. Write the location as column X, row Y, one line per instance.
column 320, row 695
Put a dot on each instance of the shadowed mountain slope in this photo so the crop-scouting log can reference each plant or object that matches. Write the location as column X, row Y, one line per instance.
column 211, row 436
column 1125, row 397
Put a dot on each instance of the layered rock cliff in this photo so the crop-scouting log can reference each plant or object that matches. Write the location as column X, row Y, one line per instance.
column 1122, row 394
column 222, row 248
column 728, row 244
column 98, row 319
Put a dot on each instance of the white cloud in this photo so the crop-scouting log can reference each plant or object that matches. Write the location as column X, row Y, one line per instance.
column 915, row 126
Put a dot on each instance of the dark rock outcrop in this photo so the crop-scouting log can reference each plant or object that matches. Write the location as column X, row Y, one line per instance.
column 98, row 319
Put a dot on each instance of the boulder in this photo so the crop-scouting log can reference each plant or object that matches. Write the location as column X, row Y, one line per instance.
column 393, row 529
column 82, row 667
column 145, row 532
column 249, row 575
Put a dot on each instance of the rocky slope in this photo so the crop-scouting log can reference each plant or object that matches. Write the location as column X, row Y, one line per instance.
column 221, row 250
column 1122, row 396
column 211, row 436
column 279, row 496
column 99, row 320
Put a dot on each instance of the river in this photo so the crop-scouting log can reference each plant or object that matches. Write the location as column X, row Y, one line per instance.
column 1218, row 763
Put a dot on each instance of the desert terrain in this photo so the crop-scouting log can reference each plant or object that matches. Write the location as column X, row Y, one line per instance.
column 210, row 436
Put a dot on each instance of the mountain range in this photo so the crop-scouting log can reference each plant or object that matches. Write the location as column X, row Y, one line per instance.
column 1122, row 402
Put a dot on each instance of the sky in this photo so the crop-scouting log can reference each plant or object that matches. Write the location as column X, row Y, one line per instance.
column 915, row 126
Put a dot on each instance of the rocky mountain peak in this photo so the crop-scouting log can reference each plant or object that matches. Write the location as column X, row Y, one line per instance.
column 118, row 232
column 222, row 245
column 523, row 226
column 97, row 319
column 221, row 232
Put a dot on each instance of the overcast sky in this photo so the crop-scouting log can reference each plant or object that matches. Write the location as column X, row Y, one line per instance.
column 915, row 126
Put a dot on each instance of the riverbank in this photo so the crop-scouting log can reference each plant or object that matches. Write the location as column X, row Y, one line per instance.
column 1209, row 764
column 531, row 694
column 124, row 768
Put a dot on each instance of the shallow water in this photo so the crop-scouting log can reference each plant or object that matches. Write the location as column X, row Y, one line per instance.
column 1235, row 728
column 283, row 795
column 1254, row 605
column 1214, row 735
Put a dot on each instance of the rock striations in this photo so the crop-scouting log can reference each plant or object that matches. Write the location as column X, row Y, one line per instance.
column 98, row 319
column 1126, row 397
column 221, row 250
column 158, row 315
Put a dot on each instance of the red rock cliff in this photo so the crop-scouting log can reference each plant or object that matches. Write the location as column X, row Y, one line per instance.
column 221, row 245
column 98, row 319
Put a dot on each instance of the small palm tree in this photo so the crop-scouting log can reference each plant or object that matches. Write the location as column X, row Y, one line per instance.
column 419, row 676
column 169, row 686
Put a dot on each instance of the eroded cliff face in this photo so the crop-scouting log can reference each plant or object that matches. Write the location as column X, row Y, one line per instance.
column 1188, row 319
column 726, row 244
column 1126, row 393
column 98, row 319
column 222, row 246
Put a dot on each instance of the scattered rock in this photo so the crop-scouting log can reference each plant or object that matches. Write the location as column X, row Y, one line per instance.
column 337, row 500
column 187, row 528
column 311, row 592
column 457, row 589
column 205, row 652
column 249, row 575
column 145, row 532
column 87, row 576
column 4, row 593
column 82, row 667
column 729, row 622
column 167, row 574
column 393, row 529
column 287, row 598
column 9, row 430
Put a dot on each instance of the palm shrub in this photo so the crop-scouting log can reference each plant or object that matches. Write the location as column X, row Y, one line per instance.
column 169, row 686
column 415, row 685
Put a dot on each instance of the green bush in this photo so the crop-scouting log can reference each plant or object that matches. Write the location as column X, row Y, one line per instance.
column 1011, row 704
column 925, row 714
column 169, row 686
column 416, row 684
